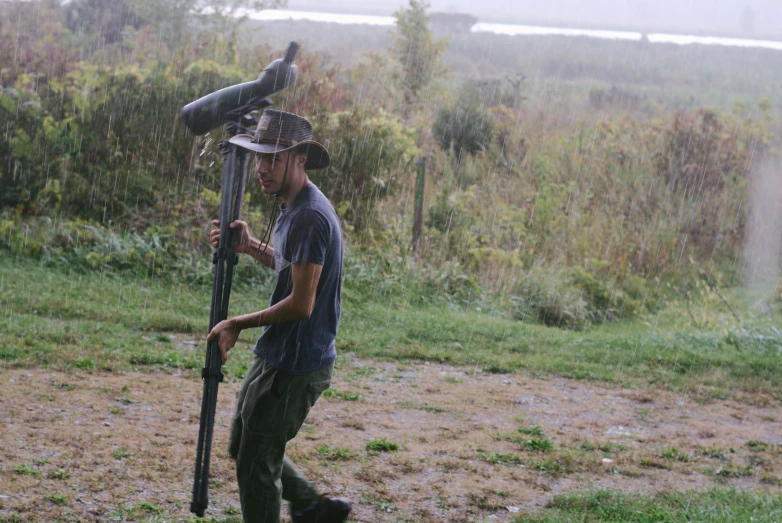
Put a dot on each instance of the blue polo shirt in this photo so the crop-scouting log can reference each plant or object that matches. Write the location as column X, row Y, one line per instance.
column 306, row 232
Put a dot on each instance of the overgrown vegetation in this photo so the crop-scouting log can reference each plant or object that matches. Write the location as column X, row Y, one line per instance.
column 567, row 219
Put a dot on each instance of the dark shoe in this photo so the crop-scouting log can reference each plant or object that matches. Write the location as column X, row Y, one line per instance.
column 326, row 510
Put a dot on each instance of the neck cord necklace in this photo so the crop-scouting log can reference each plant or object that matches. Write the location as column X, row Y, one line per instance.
column 267, row 235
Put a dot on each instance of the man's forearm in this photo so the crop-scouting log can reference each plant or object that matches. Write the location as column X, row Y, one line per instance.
column 281, row 312
column 257, row 251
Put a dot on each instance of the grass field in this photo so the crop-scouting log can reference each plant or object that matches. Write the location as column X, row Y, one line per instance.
column 436, row 413
column 108, row 323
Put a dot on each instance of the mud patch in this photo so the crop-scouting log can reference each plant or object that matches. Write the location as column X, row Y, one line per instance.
column 94, row 446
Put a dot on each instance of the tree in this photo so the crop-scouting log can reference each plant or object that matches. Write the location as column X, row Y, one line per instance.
column 453, row 22
column 416, row 52
column 106, row 18
column 177, row 21
column 220, row 17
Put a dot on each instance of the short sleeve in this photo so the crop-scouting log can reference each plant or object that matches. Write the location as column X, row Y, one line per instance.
column 309, row 237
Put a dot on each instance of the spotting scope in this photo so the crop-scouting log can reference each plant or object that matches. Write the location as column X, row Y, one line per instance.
column 230, row 103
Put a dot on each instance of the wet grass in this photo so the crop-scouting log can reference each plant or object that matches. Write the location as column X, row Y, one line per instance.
column 103, row 322
column 341, row 395
column 335, row 453
column 631, row 353
column 382, row 445
column 716, row 505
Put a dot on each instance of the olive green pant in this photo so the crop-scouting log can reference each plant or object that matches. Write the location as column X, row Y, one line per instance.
column 272, row 406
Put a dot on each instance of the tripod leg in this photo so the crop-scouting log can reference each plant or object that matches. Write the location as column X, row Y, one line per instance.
column 234, row 168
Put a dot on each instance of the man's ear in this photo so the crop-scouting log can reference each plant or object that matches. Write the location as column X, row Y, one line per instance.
column 301, row 158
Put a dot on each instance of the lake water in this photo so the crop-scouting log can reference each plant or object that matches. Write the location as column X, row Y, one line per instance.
column 515, row 29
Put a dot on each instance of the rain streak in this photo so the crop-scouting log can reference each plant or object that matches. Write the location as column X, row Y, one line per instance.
column 403, row 260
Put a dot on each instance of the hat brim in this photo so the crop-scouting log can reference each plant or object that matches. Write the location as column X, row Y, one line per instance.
column 317, row 155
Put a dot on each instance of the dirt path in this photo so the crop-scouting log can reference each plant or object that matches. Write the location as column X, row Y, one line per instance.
column 96, row 447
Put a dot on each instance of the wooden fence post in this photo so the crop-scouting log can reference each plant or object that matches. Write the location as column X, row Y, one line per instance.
column 418, row 219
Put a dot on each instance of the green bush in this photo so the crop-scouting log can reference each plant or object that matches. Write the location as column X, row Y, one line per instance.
column 608, row 299
column 85, row 246
column 371, row 151
column 576, row 297
column 449, row 282
column 464, row 126
column 104, row 142
column 548, row 297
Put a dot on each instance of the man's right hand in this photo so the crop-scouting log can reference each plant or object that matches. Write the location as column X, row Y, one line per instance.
column 245, row 238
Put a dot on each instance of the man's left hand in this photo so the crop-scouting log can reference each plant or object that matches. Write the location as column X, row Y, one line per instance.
column 226, row 334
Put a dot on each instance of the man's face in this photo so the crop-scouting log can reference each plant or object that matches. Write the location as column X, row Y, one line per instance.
column 270, row 168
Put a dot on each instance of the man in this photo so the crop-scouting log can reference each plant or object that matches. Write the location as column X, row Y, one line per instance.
column 294, row 357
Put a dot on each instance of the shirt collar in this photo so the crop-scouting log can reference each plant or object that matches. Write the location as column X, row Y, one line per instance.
column 299, row 199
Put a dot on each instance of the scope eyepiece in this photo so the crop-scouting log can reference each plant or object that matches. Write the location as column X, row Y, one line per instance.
column 290, row 54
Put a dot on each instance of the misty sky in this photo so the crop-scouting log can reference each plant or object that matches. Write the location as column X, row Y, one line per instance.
column 717, row 16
